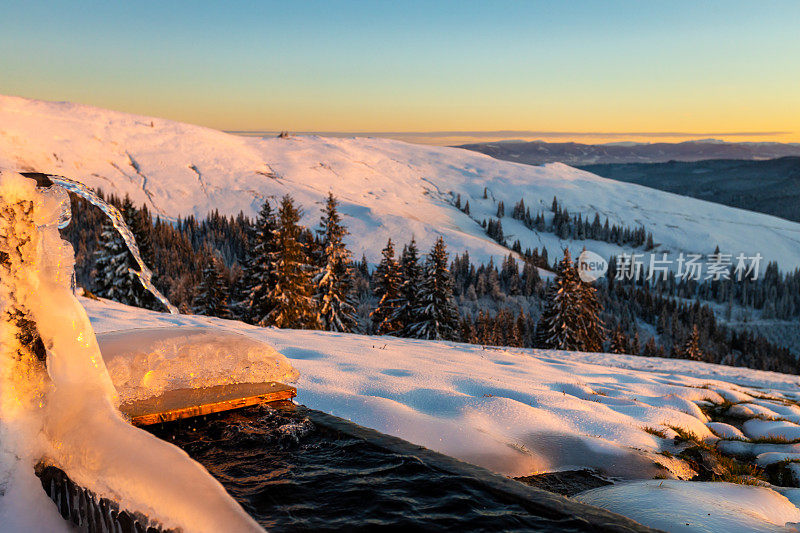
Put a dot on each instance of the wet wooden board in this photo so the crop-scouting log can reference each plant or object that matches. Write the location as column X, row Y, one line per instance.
column 186, row 403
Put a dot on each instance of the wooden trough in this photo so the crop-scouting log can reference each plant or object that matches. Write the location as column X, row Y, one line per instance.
column 186, row 403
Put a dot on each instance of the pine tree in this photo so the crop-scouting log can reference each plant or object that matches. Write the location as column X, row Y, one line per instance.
column 288, row 297
column 436, row 314
column 650, row 348
column 592, row 328
column 691, row 350
column 570, row 320
column 212, row 293
column 334, row 283
column 619, row 341
column 258, row 275
column 387, row 281
column 411, row 277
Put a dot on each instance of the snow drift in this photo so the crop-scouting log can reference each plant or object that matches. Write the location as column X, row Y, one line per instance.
column 698, row 507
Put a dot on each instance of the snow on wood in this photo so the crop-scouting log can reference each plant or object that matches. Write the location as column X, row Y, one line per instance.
column 147, row 362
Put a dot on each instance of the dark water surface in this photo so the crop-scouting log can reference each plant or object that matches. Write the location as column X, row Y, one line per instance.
column 292, row 469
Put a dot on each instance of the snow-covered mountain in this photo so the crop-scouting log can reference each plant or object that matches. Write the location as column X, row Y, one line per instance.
column 387, row 188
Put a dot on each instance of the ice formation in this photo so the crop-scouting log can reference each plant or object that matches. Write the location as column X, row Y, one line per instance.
column 68, row 416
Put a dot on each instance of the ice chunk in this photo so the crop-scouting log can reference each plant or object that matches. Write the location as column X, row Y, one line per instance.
column 147, row 362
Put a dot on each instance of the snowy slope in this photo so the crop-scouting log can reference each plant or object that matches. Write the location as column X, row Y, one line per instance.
column 388, row 188
column 520, row 412
column 514, row 411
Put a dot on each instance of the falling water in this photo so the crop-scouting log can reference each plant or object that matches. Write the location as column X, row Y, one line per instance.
column 144, row 274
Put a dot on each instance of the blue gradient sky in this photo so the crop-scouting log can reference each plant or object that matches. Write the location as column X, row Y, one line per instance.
column 626, row 67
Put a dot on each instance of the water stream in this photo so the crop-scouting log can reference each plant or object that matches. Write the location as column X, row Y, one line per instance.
column 144, row 274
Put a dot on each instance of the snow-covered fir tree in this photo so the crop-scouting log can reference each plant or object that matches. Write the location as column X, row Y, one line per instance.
column 211, row 298
column 387, row 281
column 114, row 265
column 592, row 329
column 289, row 299
column 405, row 313
column 258, row 271
column 691, row 350
column 570, row 320
column 436, row 315
column 334, row 281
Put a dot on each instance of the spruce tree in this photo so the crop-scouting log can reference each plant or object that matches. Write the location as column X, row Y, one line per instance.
column 211, row 298
column 691, row 350
column 259, row 276
column 334, row 281
column 436, row 314
column 411, row 275
column 387, row 281
column 570, row 320
column 592, row 331
column 289, row 299
column 619, row 341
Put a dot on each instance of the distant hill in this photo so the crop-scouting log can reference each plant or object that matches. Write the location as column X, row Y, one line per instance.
column 386, row 188
column 576, row 154
column 771, row 186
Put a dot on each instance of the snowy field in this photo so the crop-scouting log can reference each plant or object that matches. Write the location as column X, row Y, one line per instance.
column 387, row 188
column 520, row 412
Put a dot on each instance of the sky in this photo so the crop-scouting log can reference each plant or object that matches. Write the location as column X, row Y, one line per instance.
column 597, row 71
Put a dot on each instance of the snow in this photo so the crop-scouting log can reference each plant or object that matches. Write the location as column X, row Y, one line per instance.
column 514, row 411
column 147, row 362
column 725, row 431
column 386, row 188
column 751, row 449
column 769, row 458
column 678, row 506
column 766, row 429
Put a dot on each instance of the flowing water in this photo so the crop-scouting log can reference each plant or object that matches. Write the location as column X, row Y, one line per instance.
column 293, row 473
column 144, row 274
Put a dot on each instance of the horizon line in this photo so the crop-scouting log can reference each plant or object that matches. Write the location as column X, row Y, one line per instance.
column 523, row 133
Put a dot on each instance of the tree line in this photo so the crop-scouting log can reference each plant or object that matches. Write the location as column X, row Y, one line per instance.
column 273, row 271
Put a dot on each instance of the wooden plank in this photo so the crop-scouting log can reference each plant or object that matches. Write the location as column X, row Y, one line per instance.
column 186, row 403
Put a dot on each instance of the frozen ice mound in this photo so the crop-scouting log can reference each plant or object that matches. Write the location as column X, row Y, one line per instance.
column 148, row 362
